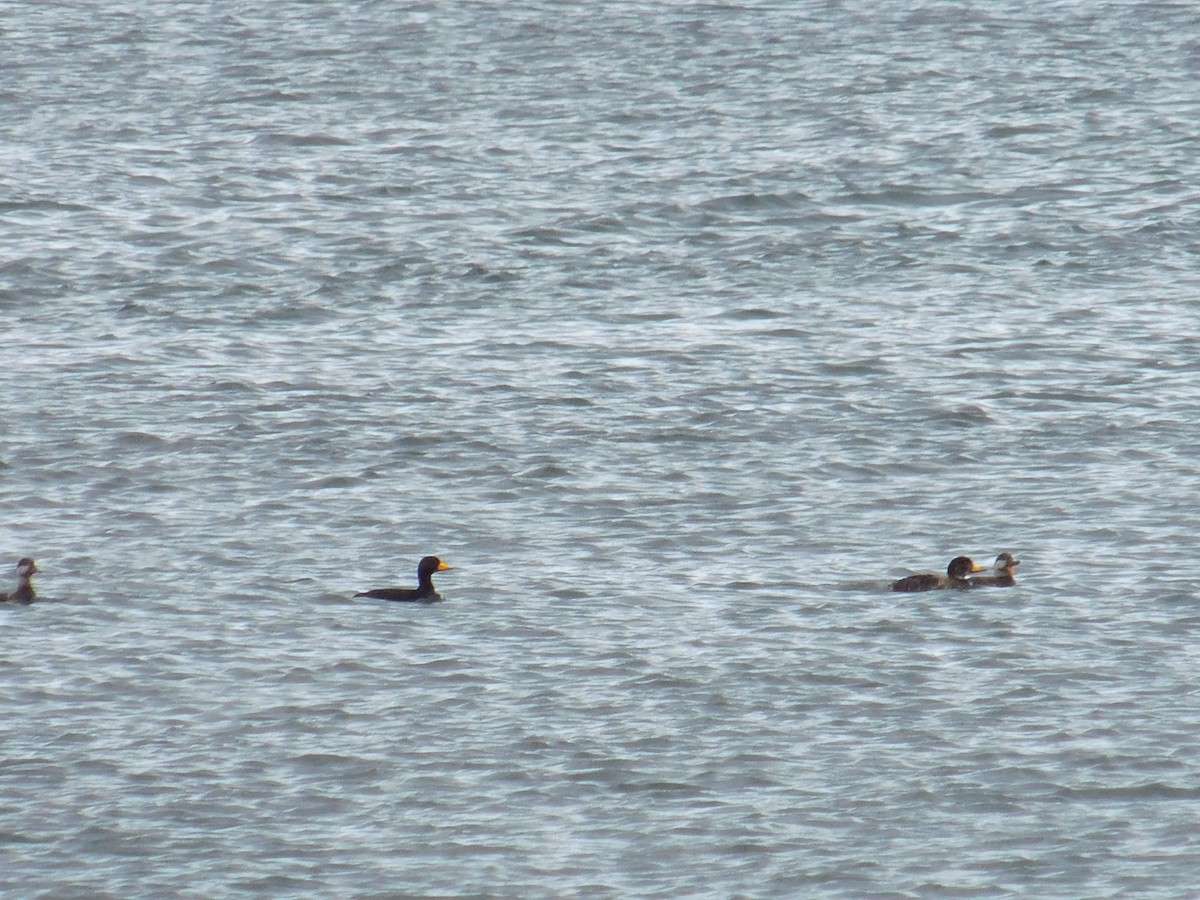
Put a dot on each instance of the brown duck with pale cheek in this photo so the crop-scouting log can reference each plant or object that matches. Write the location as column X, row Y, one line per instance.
column 956, row 577
column 423, row 592
column 26, row 569
column 1004, row 572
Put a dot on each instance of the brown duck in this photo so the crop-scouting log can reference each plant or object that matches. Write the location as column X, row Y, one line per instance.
column 956, row 577
column 26, row 569
column 1004, row 572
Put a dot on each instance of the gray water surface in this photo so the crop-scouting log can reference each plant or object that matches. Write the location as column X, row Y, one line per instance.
column 678, row 330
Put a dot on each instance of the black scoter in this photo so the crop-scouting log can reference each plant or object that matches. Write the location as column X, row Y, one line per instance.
column 956, row 577
column 26, row 569
column 424, row 591
column 1004, row 572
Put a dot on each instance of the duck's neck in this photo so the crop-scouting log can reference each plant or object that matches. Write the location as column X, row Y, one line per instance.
column 24, row 591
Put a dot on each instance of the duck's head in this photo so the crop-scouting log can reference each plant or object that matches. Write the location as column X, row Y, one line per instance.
column 962, row 566
column 1005, row 564
column 430, row 564
column 26, row 567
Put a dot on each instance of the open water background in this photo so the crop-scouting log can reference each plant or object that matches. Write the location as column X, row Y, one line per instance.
column 678, row 329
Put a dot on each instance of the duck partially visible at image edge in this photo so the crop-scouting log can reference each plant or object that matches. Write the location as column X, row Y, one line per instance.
column 26, row 569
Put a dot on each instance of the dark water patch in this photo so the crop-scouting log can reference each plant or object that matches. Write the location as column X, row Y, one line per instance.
column 140, row 440
column 542, row 236
column 332, row 483
column 753, row 314
column 315, row 139
column 857, row 368
column 755, row 201
column 1008, row 130
column 39, row 205
column 1150, row 791
column 544, row 472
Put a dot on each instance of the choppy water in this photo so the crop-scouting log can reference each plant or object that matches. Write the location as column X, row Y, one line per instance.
column 678, row 330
